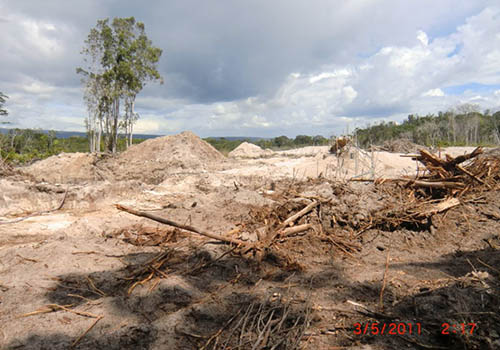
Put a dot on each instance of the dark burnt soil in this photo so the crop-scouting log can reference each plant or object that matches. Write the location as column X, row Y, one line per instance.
column 429, row 286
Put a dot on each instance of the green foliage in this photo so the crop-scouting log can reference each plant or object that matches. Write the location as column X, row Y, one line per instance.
column 120, row 61
column 282, row 142
column 224, row 145
column 21, row 146
column 464, row 126
column 301, row 140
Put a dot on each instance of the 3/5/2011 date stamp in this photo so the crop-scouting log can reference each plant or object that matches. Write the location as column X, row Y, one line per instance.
column 392, row 328
column 402, row 328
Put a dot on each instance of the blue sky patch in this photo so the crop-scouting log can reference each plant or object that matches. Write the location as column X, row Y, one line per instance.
column 456, row 51
column 474, row 87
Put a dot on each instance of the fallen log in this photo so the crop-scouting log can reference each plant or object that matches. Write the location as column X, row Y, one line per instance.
column 437, row 184
column 362, row 179
column 431, row 183
column 182, row 227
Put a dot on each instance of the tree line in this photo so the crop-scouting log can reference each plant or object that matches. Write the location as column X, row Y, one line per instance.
column 24, row 146
column 277, row 143
column 462, row 126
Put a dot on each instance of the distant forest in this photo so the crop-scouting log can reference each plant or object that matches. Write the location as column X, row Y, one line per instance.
column 462, row 127
column 465, row 126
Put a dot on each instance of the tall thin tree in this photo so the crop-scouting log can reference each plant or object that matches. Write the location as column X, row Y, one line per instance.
column 122, row 59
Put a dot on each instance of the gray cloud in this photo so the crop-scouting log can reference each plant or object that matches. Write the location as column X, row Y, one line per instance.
column 228, row 65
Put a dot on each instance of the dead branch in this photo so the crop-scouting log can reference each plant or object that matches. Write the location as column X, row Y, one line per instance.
column 437, row 184
column 55, row 307
column 463, row 158
column 465, row 171
column 77, row 340
column 296, row 229
column 384, row 281
column 440, row 207
column 181, row 226
column 301, row 213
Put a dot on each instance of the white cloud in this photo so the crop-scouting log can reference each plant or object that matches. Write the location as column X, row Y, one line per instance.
column 40, row 35
column 422, row 37
column 326, row 75
column 148, row 126
column 257, row 121
column 434, row 92
column 38, row 88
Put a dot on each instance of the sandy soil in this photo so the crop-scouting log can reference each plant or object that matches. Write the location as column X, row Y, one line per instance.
column 249, row 150
column 63, row 271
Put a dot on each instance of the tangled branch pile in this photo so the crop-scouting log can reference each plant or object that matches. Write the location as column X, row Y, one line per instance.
column 456, row 179
column 443, row 184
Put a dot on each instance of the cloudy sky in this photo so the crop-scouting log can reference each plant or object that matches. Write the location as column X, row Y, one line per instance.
column 261, row 68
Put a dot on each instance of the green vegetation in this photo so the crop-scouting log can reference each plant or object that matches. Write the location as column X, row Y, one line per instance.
column 225, row 146
column 120, row 61
column 23, row 146
column 283, row 142
column 461, row 127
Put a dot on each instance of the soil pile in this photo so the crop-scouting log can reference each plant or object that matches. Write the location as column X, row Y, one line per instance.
column 65, row 168
column 151, row 160
column 401, row 146
column 249, row 150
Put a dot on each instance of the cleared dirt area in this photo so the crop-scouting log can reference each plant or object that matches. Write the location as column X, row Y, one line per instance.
column 322, row 262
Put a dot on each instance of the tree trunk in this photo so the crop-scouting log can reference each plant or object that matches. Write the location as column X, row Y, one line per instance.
column 91, row 141
column 116, row 114
column 131, row 122
column 131, row 135
column 99, row 135
column 477, row 130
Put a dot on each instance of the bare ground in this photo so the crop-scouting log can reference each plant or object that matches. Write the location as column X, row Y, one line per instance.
column 90, row 276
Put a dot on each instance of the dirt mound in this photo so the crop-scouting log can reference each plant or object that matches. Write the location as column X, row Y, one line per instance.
column 249, row 150
column 65, row 168
column 401, row 146
column 151, row 160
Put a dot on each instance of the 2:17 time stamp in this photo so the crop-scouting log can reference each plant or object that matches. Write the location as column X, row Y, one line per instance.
column 401, row 328
column 458, row 328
